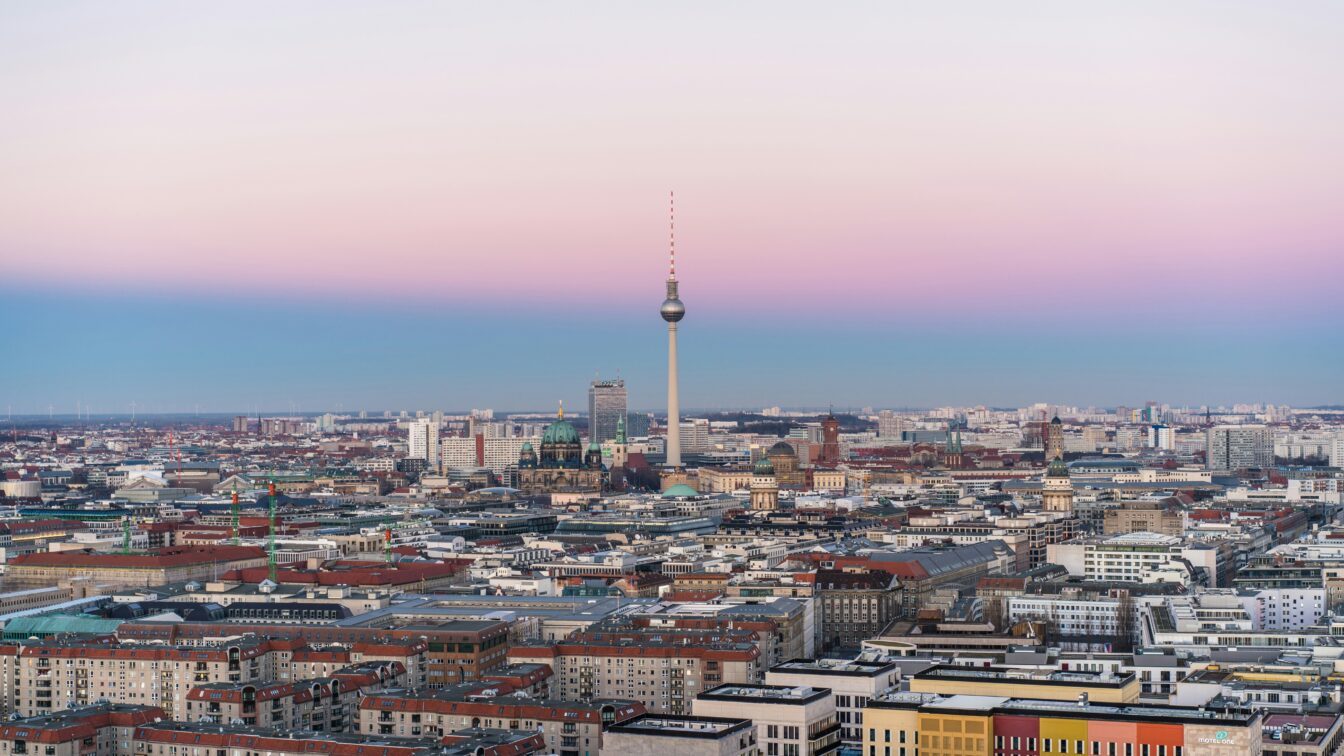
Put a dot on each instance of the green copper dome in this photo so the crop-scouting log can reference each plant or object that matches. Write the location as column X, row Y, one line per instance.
column 560, row 432
column 679, row 490
column 1057, row 469
column 764, row 466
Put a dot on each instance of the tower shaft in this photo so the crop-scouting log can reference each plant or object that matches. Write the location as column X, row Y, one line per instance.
column 673, row 401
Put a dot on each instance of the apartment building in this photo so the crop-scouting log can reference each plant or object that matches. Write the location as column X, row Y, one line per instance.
column 307, row 662
column 199, row 739
column 568, row 728
column 458, row 650
column 908, row 723
column 852, row 683
column 307, row 705
column 103, row 729
column 675, row 735
column 55, row 675
column 664, row 673
column 790, row 721
column 329, row 704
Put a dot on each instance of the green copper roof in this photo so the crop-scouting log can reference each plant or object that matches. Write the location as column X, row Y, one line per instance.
column 764, row 466
column 679, row 490
column 560, row 432
column 22, row 628
column 1057, row 469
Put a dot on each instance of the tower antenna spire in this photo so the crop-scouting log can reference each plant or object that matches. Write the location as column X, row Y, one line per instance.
column 671, row 236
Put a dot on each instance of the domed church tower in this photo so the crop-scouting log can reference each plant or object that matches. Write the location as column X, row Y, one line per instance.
column 1057, row 488
column 561, row 465
column 764, row 487
column 560, row 444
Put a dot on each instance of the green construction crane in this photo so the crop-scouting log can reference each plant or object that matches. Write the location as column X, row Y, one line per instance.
column 270, row 548
column 235, row 518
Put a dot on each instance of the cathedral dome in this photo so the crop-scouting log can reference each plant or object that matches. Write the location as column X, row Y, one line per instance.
column 779, row 448
column 764, row 466
column 560, row 432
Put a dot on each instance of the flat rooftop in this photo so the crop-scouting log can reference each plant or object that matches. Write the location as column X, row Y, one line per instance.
column 790, row 694
column 852, row 668
column 1012, row 675
column 682, row 726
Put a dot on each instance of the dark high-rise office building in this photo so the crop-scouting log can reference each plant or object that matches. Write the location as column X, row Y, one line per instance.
column 606, row 403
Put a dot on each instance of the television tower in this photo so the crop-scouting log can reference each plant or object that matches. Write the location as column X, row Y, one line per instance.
column 672, row 311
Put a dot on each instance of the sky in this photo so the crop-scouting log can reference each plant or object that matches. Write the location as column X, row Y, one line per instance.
column 338, row 205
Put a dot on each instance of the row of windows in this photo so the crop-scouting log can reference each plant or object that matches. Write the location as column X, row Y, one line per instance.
column 1062, row 746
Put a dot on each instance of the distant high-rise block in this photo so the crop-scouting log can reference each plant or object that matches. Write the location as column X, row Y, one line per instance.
column 606, row 405
column 423, row 442
column 1234, row 447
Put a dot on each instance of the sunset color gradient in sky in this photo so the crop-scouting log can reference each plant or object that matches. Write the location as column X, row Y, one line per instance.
column 879, row 203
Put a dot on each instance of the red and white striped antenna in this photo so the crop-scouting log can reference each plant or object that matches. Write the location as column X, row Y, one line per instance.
column 671, row 236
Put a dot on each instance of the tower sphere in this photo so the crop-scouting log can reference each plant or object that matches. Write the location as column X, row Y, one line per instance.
column 672, row 310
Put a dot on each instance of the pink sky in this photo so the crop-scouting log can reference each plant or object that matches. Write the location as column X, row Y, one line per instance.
column 876, row 151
